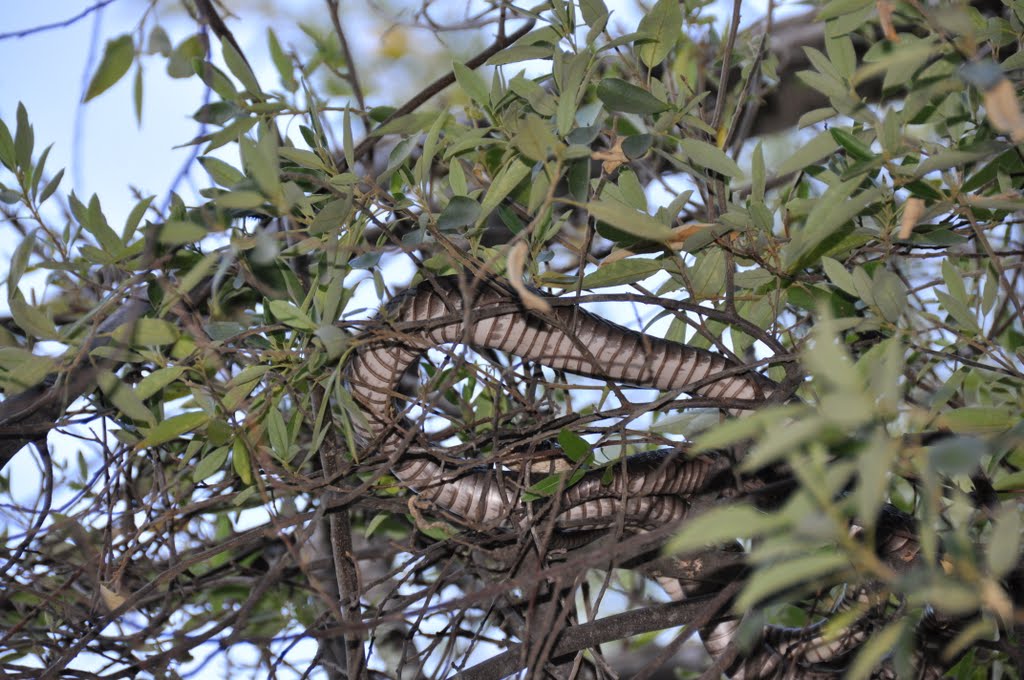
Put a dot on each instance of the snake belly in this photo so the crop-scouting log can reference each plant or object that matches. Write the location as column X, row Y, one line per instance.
column 568, row 339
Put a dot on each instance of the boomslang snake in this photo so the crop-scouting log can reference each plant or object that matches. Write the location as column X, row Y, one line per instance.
column 645, row 492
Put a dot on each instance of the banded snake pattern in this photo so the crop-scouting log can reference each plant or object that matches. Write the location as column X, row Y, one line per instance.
column 648, row 491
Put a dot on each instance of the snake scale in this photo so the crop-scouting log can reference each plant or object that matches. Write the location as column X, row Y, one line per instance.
column 646, row 492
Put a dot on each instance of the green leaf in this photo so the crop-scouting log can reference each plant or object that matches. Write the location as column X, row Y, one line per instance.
column 461, row 211
column 333, row 216
column 504, row 182
column 124, row 398
column 663, row 23
column 290, row 315
column 721, row 525
column 241, row 200
column 890, row 295
column 237, row 65
column 711, row 157
column 808, row 154
column 1003, row 551
column 172, row 428
column 960, row 312
column 782, row 441
column 618, row 95
column 472, row 84
column 979, row 419
column 191, row 48
column 878, row 646
column 575, row 447
column 284, row 66
column 19, row 261
column 157, row 380
column 550, row 485
column 147, row 333
column 594, row 12
column 622, row 272
column 211, row 464
column 117, row 59
column 220, row 172
column 20, row 369
column 178, row 232
column 260, row 160
column 856, row 148
column 629, row 220
column 51, row 186
column 772, row 580
column 839, row 275
column 31, row 319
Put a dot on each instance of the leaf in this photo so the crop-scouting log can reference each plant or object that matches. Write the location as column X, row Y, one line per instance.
column 147, row 333
column 550, row 485
column 178, row 232
column 240, row 461
column 31, row 319
column 979, row 419
column 856, row 148
column 51, row 186
column 594, row 12
column 878, row 646
column 663, row 24
column 241, row 200
column 890, row 295
column 575, row 447
column 721, row 525
column 808, row 154
column 19, row 261
column 504, row 182
column 157, row 380
column 239, row 67
column 211, row 464
column 126, row 400
column 960, row 312
column 711, row 157
column 622, row 272
column 172, row 428
column 472, row 84
column 220, row 172
column 838, row 275
column 618, row 95
column 769, row 581
column 291, row 316
column 117, row 59
column 1003, row 551
column 332, row 217
column 629, row 220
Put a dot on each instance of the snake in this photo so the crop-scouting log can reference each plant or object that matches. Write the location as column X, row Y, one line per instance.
column 646, row 491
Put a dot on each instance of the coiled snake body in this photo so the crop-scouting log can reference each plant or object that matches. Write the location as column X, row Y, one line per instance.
column 489, row 317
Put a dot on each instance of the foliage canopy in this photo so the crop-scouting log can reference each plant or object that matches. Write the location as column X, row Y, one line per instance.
column 839, row 207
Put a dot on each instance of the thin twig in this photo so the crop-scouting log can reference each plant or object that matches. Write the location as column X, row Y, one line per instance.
column 56, row 24
column 350, row 65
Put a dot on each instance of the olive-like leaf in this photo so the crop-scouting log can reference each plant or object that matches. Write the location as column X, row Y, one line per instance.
column 117, row 59
column 618, row 95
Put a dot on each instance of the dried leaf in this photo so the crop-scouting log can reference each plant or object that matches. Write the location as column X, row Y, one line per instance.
column 612, row 158
column 1004, row 110
column 885, row 19
column 912, row 211
column 516, row 265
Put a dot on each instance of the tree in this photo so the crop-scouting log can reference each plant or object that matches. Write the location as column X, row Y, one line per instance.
column 237, row 504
